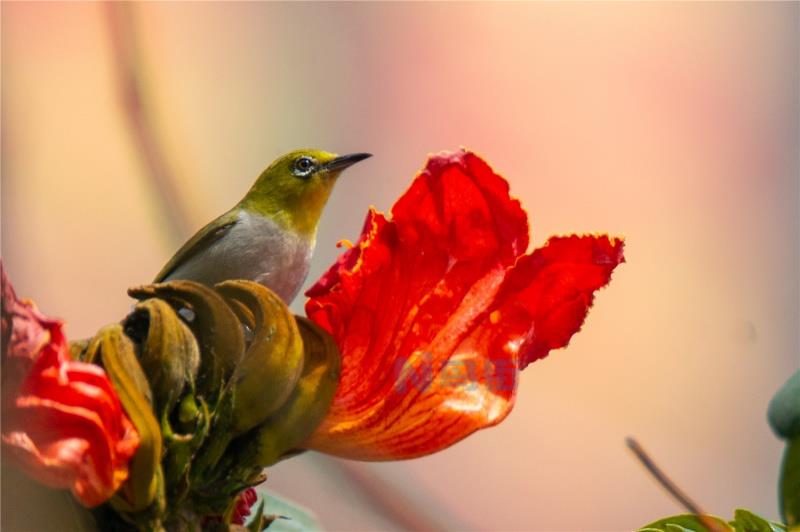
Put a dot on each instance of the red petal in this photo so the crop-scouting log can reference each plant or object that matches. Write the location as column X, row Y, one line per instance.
column 27, row 337
column 25, row 330
column 547, row 294
column 244, row 502
column 462, row 203
column 64, row 446
column 435, row 311
column 62, row 419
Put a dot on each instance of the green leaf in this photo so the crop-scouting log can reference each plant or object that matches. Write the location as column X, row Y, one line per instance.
column 686, row 523
column 789, row 485
column 746, row 521
column 743, row 521
column 257, row 523
column 671, row 527
column 287, row 516
column 784, row 409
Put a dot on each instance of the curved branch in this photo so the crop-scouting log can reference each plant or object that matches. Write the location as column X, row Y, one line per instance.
column 138, row 115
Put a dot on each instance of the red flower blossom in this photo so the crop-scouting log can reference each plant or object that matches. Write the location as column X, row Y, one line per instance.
column 62, row 419
column 241, row 509
column 244, row 502
column 438, row 309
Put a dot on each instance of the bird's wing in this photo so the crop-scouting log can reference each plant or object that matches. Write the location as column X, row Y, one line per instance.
column 199, row 242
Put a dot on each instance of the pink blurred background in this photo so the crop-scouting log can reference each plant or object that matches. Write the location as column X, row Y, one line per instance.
column 673, row 124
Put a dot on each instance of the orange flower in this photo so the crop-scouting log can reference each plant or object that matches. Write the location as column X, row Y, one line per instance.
column 62, row 419
column 438, row 309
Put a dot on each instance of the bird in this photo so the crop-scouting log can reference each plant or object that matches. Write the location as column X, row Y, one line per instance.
column 269, row 236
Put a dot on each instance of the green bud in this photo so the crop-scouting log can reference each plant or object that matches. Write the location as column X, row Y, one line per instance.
column 269, row 370
column 295, row 421
column 168, row 351
column 216, row 327
column 117, row 354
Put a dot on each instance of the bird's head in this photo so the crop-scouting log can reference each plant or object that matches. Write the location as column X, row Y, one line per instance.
column 296, row 186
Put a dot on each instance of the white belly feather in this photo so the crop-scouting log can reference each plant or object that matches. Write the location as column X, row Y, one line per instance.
column 256, row 248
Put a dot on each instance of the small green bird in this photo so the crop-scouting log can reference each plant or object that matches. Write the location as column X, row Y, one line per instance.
column 269, row 236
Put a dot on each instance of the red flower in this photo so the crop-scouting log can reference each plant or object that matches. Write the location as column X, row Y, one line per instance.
column 241, row 509
column 244, row 502
column 438, row 309
column 62, row 419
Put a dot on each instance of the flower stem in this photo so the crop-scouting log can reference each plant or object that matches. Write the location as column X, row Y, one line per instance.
column 678, row 494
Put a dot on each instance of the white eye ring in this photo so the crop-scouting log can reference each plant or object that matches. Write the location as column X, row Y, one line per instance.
column 303, row 166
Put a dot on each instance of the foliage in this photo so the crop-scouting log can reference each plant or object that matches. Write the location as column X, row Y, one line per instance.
column 743, row 521
column 784, row 418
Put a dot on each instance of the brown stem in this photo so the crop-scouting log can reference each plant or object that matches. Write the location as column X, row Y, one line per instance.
column 678, row 494
column 128, row 73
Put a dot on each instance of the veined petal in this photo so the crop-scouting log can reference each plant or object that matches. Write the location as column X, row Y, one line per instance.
column 435, row 311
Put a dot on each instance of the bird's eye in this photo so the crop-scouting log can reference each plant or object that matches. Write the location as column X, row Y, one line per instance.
column 303, row 166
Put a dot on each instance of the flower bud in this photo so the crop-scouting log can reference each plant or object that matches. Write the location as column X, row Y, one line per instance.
column 306, row 407
column 218, row 332
column 168, row 351
column 269, row 370
column 116, row 353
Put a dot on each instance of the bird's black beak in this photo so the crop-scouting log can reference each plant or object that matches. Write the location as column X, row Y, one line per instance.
column 342, row 162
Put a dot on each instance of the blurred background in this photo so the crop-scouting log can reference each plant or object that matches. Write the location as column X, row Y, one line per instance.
column 673, row 124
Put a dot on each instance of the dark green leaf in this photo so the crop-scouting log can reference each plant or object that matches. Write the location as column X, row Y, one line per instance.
column 790, row 483
column 784, row 409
